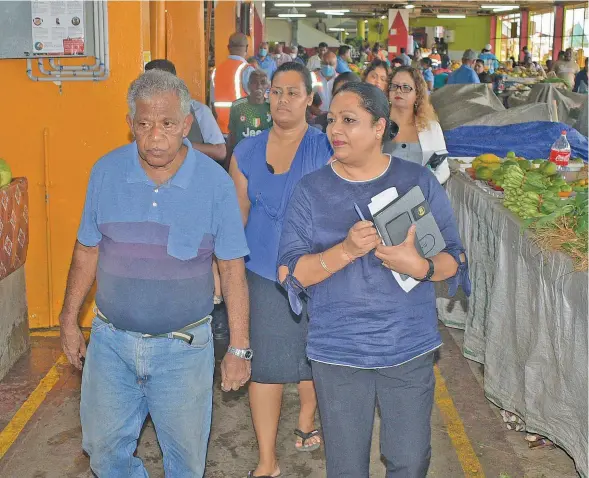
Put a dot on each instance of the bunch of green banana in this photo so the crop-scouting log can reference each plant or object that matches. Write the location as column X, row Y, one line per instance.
column 525, row 205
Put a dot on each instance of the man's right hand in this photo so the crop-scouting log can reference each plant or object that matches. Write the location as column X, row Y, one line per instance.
column 73, row 344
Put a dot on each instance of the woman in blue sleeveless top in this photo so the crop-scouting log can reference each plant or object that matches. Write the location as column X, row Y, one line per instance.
column 265, row 170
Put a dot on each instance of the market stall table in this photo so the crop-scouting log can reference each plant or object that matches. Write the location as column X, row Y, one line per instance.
column 526, row 320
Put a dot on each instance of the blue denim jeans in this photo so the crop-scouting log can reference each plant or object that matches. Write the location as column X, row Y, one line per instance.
column 127, row 376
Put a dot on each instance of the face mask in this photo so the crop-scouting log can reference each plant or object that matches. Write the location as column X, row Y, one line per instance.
column 293, row 55
column 278, row 55
column 327, row 70
column 263, row 52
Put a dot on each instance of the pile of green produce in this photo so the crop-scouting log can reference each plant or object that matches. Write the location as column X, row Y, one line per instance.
column 535, row 195
column 5, row 173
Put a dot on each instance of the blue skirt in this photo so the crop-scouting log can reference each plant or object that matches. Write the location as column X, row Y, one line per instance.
column 278, row 336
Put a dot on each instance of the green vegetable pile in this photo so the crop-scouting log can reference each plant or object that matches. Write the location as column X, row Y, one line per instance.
column 558, row 223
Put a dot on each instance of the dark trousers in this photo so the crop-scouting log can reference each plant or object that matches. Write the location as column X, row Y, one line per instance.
column 347, row 399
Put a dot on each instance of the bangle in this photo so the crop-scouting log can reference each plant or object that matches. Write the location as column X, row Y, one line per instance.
column 324, row 265
column 348, row 256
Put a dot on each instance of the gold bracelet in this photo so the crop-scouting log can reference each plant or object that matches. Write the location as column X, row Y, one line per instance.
column 324, row 265
column 350, row 260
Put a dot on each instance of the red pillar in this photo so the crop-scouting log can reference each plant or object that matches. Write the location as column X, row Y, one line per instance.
column 558, row 30
column 258, row 23
column 523, row 32
column 493, row 33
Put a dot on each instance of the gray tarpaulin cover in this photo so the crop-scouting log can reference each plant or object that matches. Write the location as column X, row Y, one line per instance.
column 521, row 114
column 526, row 321
column 457, row 105
column 582, row 124
column 569, row 104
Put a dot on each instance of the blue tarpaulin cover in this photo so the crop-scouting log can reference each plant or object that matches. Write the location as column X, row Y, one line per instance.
column 528, row 140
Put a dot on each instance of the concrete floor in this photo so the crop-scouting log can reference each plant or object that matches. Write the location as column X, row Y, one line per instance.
column 49, row 446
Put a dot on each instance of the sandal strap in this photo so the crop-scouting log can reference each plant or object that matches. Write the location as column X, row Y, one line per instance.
column 250, row 474
column 306, row 436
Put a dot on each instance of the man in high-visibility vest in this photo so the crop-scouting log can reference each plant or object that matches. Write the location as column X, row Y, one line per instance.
column 230, row 79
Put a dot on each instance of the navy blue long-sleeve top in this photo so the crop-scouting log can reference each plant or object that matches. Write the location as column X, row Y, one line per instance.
column 360, row 316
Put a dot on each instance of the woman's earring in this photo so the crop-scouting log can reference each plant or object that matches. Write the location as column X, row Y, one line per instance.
column 378, row 136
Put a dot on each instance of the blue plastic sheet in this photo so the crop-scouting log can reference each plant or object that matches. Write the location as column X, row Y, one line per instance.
column 528, row 140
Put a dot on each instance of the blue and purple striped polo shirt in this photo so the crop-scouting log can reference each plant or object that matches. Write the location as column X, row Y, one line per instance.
column 156, row 242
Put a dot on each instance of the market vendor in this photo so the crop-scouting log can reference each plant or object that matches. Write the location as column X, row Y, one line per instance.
column 465, row 74
column 420, row 135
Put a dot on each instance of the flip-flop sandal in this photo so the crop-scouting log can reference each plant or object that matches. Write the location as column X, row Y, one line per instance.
column 306, row 436
column 250, row 474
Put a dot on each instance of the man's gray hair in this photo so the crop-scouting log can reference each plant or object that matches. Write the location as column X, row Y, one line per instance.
column 153, row 83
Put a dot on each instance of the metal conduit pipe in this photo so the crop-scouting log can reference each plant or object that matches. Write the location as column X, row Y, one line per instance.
column 56, row 76
column 79, row 71
column 97, row 55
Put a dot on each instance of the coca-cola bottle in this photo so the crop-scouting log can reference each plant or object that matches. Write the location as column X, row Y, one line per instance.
column 560, row 153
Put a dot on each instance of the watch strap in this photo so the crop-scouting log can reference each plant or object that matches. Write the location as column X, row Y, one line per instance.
column 430, row 271
column 245, row 354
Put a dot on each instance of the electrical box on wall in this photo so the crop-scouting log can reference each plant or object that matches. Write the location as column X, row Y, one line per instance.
column 449, row 36
column 32, row 29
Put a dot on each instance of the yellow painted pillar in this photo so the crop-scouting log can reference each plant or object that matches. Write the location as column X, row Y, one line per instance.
column 361, row 27
column 225, row 23
column 185, row 44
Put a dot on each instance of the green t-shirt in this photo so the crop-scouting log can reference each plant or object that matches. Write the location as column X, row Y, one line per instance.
column 247, row 120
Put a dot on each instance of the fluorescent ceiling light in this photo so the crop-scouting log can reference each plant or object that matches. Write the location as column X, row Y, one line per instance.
column 333, row 29
column 409, row 6
column 341, row 14
column 502, row 7
column 451, row 16
column 303, row 5
column 333, row 11
column 499, row 10
column 292, row 15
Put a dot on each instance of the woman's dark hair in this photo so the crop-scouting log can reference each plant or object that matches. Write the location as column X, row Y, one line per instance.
column 426, row 61
column 374, row 102
column 347, row 77
column 300, row 69
column 374, row 64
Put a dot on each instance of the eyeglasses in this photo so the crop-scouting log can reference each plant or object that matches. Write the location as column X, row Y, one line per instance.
column 402, row 88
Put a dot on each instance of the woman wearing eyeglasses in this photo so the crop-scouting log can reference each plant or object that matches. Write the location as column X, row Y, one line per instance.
column 420, row 139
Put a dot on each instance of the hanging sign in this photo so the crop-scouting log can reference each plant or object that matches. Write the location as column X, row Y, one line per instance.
column 58, row 27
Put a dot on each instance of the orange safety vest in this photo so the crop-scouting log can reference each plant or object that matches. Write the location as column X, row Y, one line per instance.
column 226, row 79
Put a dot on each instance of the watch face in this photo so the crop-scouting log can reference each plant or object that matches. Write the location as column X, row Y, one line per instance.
column 248, row 355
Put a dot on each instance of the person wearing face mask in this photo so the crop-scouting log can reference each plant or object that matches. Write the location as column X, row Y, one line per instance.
column 298, row 55
column 369, row 341
column 265, row 62
column 420, row 135
column 339, row 81
column 266, row 169
column 326, row 76
column 280, row 57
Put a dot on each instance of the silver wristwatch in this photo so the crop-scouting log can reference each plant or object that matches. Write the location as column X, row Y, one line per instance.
column 245, row 354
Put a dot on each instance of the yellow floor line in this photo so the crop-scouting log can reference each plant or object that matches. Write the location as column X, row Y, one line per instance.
column 468, row 459
column 30, row 406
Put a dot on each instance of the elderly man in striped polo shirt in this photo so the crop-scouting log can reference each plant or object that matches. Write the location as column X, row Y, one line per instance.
column 156, row 211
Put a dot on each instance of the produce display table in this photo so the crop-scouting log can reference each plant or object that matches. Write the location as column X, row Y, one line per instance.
column 526, row 320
